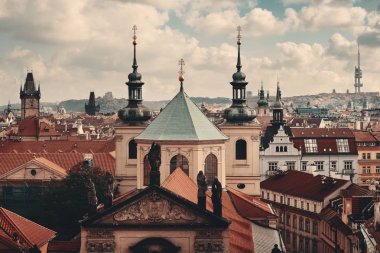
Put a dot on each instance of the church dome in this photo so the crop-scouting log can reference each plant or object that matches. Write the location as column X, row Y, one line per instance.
column 238, row 77
column 262, row 102
column 239, row 114
column 135, row 115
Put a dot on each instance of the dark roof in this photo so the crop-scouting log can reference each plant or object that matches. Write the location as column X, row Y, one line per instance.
column 302, row 184
column 326, row 146
column 270, row 132
column 64, row 246
column 331, row 217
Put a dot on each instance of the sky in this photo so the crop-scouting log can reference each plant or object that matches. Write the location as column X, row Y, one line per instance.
column 74, row 47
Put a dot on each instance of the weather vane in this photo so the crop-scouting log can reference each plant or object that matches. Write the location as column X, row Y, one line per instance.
column 239, row 34
column 181, row 63
column 134, row 28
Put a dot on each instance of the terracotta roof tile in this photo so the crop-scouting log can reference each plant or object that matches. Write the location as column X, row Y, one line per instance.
column 364, row 137
column 57, row 146
column 241, row 239
column 64, row 160
column 29, row 232
column 322, row 133
column 302, row 184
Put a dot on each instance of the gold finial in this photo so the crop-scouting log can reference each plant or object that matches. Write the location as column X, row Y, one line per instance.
column 239, row 34
column 181, row 63
column 134, row 28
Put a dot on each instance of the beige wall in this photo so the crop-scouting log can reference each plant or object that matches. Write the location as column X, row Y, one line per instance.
column 126, row 169
column 243, row 171
column 195, row 154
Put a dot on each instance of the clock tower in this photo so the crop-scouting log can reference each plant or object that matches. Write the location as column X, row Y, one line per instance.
column 30, row 98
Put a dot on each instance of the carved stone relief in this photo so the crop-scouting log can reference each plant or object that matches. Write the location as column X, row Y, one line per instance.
column 154, row 208
column 118, row 138
column 100, row 240
column 211, row 150
column 182, row 151
column 209, row 241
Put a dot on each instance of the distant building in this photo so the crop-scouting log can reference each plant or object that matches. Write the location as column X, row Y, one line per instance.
column 311, row 217
column 91, row 108
column 358, row 75
column 263, row 103
column 30, row 98
column 312, row 112
column 368, row 157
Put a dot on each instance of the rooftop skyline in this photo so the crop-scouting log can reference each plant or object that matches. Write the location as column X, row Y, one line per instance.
column 82, row 46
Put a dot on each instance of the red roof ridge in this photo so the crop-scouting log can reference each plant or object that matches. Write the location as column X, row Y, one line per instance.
column 8, row 215
column 263, row 206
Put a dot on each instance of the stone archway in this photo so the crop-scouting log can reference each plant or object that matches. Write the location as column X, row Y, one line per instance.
column 154, row 245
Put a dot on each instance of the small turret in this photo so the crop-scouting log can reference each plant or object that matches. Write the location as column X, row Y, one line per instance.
column 239, row 112
column 135, row 113
column 278, row 111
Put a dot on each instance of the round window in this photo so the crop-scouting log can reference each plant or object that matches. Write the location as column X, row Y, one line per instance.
column 241, row 186
column 33, row 172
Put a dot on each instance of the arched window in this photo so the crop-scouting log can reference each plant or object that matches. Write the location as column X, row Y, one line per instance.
column 281, row 149
column 285, row 149
column 146, row 171
column 277, row 149
column 211, row 168
column 181, row 162
column 241, row 150
column 132, row 149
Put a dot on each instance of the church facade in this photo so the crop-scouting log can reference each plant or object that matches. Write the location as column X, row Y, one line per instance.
column 189, row 140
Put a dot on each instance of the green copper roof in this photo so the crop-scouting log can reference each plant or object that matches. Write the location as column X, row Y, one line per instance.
column 181, row 119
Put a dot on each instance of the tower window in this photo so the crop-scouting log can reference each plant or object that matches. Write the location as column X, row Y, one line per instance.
column 241, row 150
column 146, row 170
column 211, row 168
column 179, row 161
column 132, row 149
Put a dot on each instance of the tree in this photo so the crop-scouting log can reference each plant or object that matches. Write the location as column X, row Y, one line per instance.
column 66, row 201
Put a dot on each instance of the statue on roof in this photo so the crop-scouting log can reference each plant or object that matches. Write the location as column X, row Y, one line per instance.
column 216, row 197
column 202, row 188
column 110, row 187
column 91, row 195
column 154, row 157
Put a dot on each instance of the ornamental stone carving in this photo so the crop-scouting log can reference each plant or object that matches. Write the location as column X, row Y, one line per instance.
column 209, row 241
column 100, row 240
column 212, row 150
column 118, row 138
column 154, row 208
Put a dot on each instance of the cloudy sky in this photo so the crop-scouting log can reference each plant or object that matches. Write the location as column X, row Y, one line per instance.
column 75, row 47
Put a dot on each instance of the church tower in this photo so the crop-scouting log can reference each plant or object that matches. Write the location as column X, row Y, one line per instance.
column 278, row 110
column 242, row 162
column 358, row 75
column 30, row 98
column 262, row 103
column 134, row 119
column 91, row 108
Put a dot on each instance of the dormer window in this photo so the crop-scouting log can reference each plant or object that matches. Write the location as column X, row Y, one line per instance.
column 311, row 146
column 342, row 145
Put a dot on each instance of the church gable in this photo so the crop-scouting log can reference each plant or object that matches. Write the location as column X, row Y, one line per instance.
column 157, row 207
column 36, row 169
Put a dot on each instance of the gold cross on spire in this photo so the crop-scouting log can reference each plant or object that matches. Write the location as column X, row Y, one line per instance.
column 134, row 28
column 239, row 33
column 181, row 63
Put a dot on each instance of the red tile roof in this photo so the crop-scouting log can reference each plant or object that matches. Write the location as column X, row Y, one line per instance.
column 322, row 133
column 34, row 126
column 57, row 146
column 325, row 146
column 364, row 137
column 302, row 184
column 64, row 160
column 241, row 239
column 249, row 207
column 29, row 233
column 331, row 217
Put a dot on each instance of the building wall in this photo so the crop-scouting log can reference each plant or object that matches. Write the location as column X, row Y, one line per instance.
column 292, row 224
column 30, row 107
column 273, row 154
column 195, row 153
column 368, row 164
column 124, row 238
column 126, row 169
column 246, row 171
